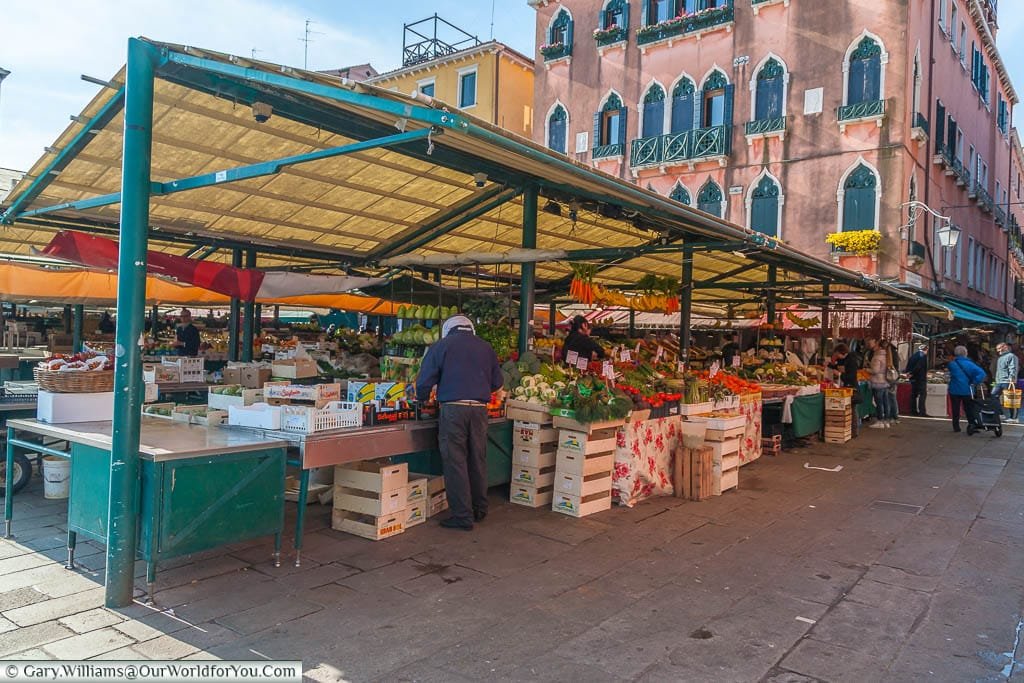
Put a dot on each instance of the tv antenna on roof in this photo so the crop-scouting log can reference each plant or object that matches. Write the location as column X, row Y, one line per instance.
column 307, row 40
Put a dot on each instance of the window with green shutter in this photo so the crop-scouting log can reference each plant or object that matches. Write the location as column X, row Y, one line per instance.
column 683, row 105
column 859, row 199
column 865, row 75
column 770, row 84
column 764, row 207
column 710, row 198
column 654, row 112
column 713, row 111
column 680, row 194
column 557, row 124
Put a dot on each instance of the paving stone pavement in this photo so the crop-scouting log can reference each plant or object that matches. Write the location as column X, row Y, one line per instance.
column 800, row 575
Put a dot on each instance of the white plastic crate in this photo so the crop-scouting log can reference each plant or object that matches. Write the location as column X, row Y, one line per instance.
column 258, row 415
column 306, row 419
column 190, row 369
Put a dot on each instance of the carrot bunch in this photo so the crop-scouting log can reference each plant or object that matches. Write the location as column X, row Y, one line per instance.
column 582, row 286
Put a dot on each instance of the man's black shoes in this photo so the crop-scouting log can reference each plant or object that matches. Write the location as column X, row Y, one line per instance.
column 452, row 523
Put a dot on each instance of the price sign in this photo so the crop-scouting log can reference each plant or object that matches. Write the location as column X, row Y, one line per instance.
column 637, row 349
column 736, row 360
column 626, row 356
column 659, row 354
column 572, row 357
column 607, row 370
column 680, row 367
column 581, row 363
column 714, row 369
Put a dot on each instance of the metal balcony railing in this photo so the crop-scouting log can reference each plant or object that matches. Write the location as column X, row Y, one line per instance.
column 1000, row 215
column 861, row 110
column 766, row 126
column 610, row 36
column 916, row 250
column 553, row 52
column 985, row 202
column 688, row 145
column 605, row 151
column 921, row 124
column 690, row 23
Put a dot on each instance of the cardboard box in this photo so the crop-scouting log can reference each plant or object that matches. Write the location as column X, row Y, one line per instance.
column 390, row 394
column 533, row 476
column 294, row 368
column 416, row 490
column 316, row 393
column 375, row 503
column 576, row 506
column 838, row 403
column 568, row 462
column 249, row 376
column 373, row 528
column 244, row 397
column 416, row 514
column 721, row 422
column 533, row 456
column 532, row 434
column 158, row 373
column 361, row 392
column 373, row 476
column 563, row 422
column 61, row 408
column 580, row 485
column 435, row 482
column 437, row 504
column 598, row 441
column 531, row 496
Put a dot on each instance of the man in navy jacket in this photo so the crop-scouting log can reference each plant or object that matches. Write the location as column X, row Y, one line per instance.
column 465, row 370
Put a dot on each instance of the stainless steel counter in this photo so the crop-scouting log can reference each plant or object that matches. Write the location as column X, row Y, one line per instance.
column 160, row 440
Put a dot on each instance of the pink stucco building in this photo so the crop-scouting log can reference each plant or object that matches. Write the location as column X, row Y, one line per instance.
column 801, row 118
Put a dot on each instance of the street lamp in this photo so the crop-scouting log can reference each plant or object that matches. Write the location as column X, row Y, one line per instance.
column 948, row 234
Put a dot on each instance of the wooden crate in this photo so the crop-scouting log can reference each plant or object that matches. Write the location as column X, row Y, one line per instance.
column 838, row 437
column 840, row 403
column 693, row 473
column 720, row 422
column 527, row 412
column 533, row 456
column 723, row 448
column 531, row 496
column 373, row 528
column 415, row 514
column 562, row 422
column 583, row 485
column 435, row 482
column 598, row 441
column 532, row 434
column 576, row 463
column 730, row 462
column 374, row 503
column 533, row 476
column 724, row 434
column 416, row 490
column 372, row 476
column 577, row 506
column 437, row 503
column 730, row 480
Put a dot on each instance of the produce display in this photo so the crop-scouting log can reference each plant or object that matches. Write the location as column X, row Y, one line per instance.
column 418, row 335
column 426, row 312
column 593, row 399
column 77, row 362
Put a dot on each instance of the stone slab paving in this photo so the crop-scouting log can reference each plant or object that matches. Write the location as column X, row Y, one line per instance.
column 907, row 565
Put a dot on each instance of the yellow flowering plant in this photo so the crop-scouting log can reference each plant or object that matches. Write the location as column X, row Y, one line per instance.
column 859, row 242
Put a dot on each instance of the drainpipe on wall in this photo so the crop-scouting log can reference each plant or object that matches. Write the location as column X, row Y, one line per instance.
column 930, row 229
column 497, row 83
column 1007, row 276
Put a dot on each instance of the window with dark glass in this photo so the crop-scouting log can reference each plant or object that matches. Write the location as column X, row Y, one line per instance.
column 680, row 194
column 683, row 100
column 427, row 89
column 710, row 198
column 654, row 112
column 764, row 207
column 770, row 84
column 560, row 32
column 467, row 89
column 610, row 122
column 615, row 14
column 557, row 129
column 865, row 74
column 660, row 10
column 859, row 198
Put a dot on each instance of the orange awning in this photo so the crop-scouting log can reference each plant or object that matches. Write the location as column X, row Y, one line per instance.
column 25, row 284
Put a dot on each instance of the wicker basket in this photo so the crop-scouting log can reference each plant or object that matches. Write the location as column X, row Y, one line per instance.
column 74, row 382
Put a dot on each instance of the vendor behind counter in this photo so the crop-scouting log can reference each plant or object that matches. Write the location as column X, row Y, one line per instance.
column 579, row 340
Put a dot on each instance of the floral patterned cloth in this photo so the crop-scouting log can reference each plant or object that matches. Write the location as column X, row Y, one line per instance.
column 750, row 446
column 643, row 459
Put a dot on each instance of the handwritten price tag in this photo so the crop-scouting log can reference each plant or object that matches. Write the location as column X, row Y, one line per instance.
column 626, row 356
column 680, row 367
column 637, row 349
column 736, row 360
column 572, row 357
column 607, row 370
column 581, row 363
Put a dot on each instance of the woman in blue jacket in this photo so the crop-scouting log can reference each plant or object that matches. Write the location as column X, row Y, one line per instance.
column 963, row 374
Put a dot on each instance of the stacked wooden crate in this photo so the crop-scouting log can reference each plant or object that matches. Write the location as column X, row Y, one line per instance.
column 772, row 445
column 723, row 437
column 694, row 473
column 371, row 499
column 533, row 454
column 584, row 462
column 838, row 415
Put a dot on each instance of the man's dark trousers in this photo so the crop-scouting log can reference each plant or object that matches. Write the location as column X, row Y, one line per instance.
column 918, row 395
column 462, row 437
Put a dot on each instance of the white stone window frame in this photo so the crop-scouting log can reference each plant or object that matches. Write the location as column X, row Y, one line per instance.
column 749, row 200
column 785, row 93
column 547, row 126
column 841, row 192
column 883, row 62
column 460, row 74
column 427, row 81
column 666, row 114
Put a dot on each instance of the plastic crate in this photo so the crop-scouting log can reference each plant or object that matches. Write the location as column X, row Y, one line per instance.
column 335, row 415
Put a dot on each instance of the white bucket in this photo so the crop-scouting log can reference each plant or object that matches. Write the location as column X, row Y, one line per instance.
column 56, row 477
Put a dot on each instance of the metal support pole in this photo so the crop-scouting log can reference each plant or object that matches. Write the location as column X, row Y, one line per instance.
column 632, row 322
column 277, row 316
column 529, row 270
column 66, row 319
column 76, row 327
column 131, row 305
column 770, row 298
column 248, row 331
column 235, row 312
column 552, row 313
column 257, row 319
column 685, row 305
column 825, row 312
column 154, row 318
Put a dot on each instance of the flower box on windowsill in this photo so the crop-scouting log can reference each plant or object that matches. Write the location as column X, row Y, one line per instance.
column 862, row 112
column 556, row 53
column 610, row 38
column 687, row 26
column 758, row 4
